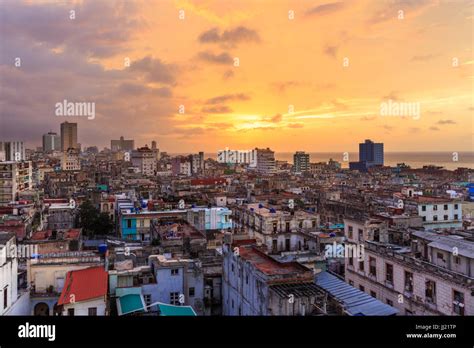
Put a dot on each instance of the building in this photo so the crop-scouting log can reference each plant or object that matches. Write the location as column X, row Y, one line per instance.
column 422, row 278
column 8, row 272
column 370, row 154
column 122, row 145
column 210, row 218
column 85, row 292
column 277, row 229
column 144, row 159
column 51, row 142
column 437, row 212
column 15, row 177
column 69, row 136
column 301, row 162
column 12, row 151
column 256, row 284
column 47, row 278
column 70, row 159
column 180, row 281
column 265, row 161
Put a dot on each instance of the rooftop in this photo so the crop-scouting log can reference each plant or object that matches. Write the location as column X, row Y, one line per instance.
column 83, row 285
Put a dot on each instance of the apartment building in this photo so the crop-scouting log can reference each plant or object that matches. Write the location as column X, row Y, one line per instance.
column 256, row 284
column 265, row 161
column 431, row 276
column 8, row 272
column 15, row 177
column 70, row 160
column 437, row 212
column 279, row 230
column 144, row 159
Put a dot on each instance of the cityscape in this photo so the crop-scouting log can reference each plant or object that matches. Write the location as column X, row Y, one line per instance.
column 296, row 162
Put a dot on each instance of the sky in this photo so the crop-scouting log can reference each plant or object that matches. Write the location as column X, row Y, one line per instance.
column 206, row 75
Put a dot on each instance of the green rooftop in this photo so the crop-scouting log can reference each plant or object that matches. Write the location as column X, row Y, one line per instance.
column 130, row 303
column 169, row 310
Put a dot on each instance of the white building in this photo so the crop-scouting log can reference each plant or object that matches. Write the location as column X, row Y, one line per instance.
column 265, row 161
column 70, row 160
column 425, row 278
column 8, row 272
column 438, row 212
column 145, row 160
column 13, row 150
column 15, row 177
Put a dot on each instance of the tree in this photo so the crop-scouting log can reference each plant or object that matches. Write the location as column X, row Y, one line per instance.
column 92, row 221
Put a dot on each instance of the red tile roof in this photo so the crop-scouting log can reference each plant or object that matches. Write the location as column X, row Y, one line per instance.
column 84, row 284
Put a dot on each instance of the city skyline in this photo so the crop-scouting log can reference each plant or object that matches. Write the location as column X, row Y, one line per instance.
column 326, row 90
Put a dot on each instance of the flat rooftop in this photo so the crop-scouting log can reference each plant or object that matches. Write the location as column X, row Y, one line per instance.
column 268, row 265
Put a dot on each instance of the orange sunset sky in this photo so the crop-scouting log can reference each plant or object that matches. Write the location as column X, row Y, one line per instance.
column 425, row 57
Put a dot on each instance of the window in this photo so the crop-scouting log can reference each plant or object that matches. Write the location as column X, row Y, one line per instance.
column 232, row 267
column 174, row 271
column 174, row 298
column 457, row 260
column 246, row 279
column 287, row 227
column 430, row 291
column 440, row 256
column 424, row 218
column 5, row 297
column 361, row 288
column 408, row 282
column 351, row 282
column 445, row 217
column 456, row 217
column 373, row 294
column 423, row 208
column 314, row 223
column 458, row 302
column 435, row 207
column 445, row 207
column 389, row 272
column 129, row 223
column 389, row 302
column 191, row 292
column 361, row 266
column 275, row 227
column 456, row 206
column 361, row 235
column 349, row 231
column 92, row 311
column 435, row 218
column 147, row 299
column 70, row 312
column 351, row 261
column 372, row 266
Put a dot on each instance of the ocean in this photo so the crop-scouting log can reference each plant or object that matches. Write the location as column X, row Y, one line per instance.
column 413, row 159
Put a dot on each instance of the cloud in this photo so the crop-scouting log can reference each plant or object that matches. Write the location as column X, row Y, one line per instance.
column 434, row 128
column 281, row 87
column 330, row 51
column 228, row 74
column 230, row 37
column 221, row 109
column 228, row 97
column 390, row 10
column 446, row 122
column 295, row 125
column 223, row 58
column 154, row 70
column 424, row 58
column 325, row 9
column 277, row 118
